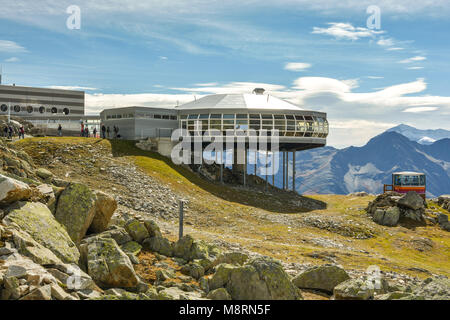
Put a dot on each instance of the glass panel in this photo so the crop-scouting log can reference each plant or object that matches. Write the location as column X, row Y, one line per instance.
column 193, row 116
column 267, row 116
column 204, row 116
column 216, row 116
column 297, row 117
column 279, row 116
column 241, row 116
column 255, row 116
column 289, row 116
column 228, row 116
column 183, row 116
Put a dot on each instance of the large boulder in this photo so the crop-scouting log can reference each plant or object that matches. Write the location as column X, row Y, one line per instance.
column 136, row 230
column 324, row 278
column 383, row 201
column 105, row 205
column 28, row 247
column 190, row 249
column 388, row 217
column 76, row 210
column 107, row 264
column 231, row 257
column 261, row 279
column 412, row 200
column 36, row 219
column 362, row 288
column 158, row 244
column 221, row 276
column 12, row 190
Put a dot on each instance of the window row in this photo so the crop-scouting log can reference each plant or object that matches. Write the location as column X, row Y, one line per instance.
column 287, row 125
column 31, row 109
column 141, row 115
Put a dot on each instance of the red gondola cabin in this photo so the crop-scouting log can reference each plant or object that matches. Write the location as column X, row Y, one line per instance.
column 403, row 182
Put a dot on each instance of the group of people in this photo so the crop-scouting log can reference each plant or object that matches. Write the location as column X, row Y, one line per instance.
column 106, row 131
column 8, row 132
column 86, row 133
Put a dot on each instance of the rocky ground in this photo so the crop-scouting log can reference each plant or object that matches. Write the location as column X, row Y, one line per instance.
column 122, row 244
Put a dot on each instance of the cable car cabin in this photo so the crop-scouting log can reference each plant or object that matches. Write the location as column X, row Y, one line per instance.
column 403, row 182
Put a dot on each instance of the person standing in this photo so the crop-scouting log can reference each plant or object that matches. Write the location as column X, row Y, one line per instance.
column 103, row 131
column 86, row 132
column 10, row 130
column 59, row 130
column 5, row 131
column 108, row 131
column 82, row 129
column 94, row 132
column 21, row 132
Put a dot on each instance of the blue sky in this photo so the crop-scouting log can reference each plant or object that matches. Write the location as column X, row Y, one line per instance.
column 319, row 54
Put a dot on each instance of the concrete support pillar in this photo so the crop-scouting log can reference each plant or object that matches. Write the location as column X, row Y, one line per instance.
column 267, row 155
column 273, row 169
column 293, row 171
column 221, row 166
column 284, row 177
column 245, row 168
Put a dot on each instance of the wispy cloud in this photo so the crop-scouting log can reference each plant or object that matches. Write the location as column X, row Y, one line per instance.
column 73, row 88
column 297, row 66
column 420, row 109
column 413, row 59
column 11, row 46
column 12, row 59
column 395, row 49
column 347, row 31
column 414, row 68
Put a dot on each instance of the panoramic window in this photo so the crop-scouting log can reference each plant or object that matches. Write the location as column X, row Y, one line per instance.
column 4, row 107
column 16, row 108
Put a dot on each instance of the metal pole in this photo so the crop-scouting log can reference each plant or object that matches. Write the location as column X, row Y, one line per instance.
column 293, row 171
column 180, row 224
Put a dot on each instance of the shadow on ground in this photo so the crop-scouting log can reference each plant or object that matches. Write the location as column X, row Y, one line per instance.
column 279, row 202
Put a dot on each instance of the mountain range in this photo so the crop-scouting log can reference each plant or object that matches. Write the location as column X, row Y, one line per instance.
column 342, row 171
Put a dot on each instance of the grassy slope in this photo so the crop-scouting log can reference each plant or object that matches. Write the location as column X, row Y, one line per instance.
column 269, row 224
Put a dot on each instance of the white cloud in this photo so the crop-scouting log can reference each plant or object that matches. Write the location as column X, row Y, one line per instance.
column 420, row 109
column 395, row 49
column 12, row 59
column 342, row 30
column 72, row 88
column 375, row 77
column 297, row 66
column 11, row 46
column 386, row 42
column 413, row 59
column 415, row 68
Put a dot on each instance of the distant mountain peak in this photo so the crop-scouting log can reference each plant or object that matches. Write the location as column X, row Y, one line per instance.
column 425, row 137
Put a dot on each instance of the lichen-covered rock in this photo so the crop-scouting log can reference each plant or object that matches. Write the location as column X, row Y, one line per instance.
column 28, row 247
column 44, row 173
column 190, row 249
column 261, row 279
column 152, row 228
column 433, row 289
column 76, row 209
column 108, row 265
column 118, row 234
column 362, row 288
column 131, row 247
column 36, row 219
column 136, row 230
column 233, row 257
column 194, row 270
column 105, row 205
column 324, row 278
column 221, row 276
column 159, row 244
column 12, row 190
column 219, row 294
column 41, row 293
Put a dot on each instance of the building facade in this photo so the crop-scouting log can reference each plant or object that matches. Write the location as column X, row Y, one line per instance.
column 30, row 102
